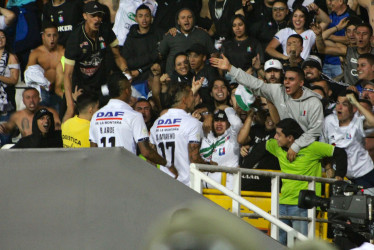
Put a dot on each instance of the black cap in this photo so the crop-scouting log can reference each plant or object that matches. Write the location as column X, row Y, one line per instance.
column 42, row 112
column 220, row 115
column 312, row 61
column 92, row 8
column 198, row 49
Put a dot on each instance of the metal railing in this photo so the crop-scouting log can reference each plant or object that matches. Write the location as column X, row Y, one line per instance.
column 196, row 183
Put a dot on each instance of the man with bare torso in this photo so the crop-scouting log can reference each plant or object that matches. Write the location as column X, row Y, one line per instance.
column 23, row 119
column 48, row 55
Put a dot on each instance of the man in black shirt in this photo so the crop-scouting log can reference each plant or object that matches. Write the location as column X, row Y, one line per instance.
column 85, row 54
column 141, row 46
column 197, row 55
column 65, row 15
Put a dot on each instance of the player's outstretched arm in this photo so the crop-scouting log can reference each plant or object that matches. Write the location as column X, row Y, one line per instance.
column 150, row 154
column 194, row 154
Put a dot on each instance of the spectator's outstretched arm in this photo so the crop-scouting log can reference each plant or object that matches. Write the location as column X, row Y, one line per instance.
column 234, row 120
column 9, row 16
column 340, row 157
column 273, row 112
column 68, row 86
column 156, row 84
column 369, row 116
column 120, row 61
column 271, row 49
column 257, row 86
column 328, row 33
column 243, row 136
column 321, row 16
column 367, row 4
column 321, row 46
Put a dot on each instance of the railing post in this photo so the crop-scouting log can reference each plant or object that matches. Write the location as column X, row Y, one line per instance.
column 290, row 238
column 312, row 214
column 237, row 190
column 195, row 180
column 275, row 181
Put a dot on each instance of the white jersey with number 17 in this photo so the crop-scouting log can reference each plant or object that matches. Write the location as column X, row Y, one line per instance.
column 171, row 133
column 118, row 125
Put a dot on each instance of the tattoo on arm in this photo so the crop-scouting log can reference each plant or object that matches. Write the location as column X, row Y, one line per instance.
column 194, row 153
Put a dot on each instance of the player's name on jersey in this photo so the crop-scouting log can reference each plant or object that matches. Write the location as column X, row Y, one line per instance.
column 107, row 130
column 170, row 136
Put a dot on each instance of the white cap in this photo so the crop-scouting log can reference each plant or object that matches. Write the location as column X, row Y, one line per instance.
column 273, row 63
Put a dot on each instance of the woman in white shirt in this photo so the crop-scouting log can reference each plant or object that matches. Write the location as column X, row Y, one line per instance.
column 299, row 24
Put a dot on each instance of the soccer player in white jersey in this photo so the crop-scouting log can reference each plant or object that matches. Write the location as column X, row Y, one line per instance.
column 345, row 129
column 177, row 135
column 118, row 125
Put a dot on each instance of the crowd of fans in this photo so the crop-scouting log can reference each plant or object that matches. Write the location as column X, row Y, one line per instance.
column 230, row 82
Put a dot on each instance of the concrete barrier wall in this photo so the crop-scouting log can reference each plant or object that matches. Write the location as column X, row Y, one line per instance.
column 85, row 199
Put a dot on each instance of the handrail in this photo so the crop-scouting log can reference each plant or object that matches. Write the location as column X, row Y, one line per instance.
column 230, row 170
column 197, row 176
column 196, row 173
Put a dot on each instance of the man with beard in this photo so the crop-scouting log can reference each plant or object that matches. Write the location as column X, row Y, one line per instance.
column 186, row 35
column 48, row 55
column 312, row 68
column 273, row 71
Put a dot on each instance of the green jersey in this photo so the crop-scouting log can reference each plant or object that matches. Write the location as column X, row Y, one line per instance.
column 307, row 162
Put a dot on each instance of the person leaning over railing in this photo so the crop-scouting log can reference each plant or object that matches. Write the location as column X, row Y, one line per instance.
column 307, row 162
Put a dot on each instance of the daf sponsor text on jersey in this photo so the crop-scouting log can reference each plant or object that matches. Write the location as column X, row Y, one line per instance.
column 118, row 125
column 171, row 133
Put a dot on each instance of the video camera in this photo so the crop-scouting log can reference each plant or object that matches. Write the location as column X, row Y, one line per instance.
column 349, row 209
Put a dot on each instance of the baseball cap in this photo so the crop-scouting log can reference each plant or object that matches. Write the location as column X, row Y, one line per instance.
column 92, row 8
column 42, row 112
column 273, row 64
column 220, row 115
column 312, row 61
column 198, row 49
